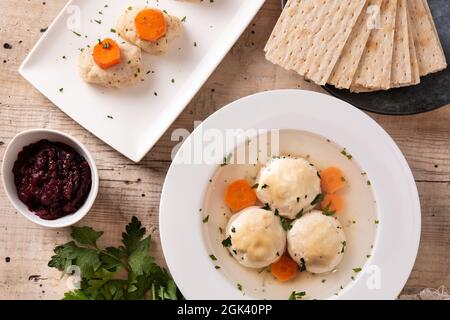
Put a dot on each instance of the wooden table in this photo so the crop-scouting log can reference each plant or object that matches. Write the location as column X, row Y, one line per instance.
column 128, row 189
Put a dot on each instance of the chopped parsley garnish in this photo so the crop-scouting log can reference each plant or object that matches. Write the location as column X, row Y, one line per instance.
column 217, row 267
column 369, row 183
column 106, row 45
column 344, row 245
column 297, row 295
column 98, row 21
column 226, row 160
column 286, row 223
column 266, row 207
column 326, row 211
column 233, row 229
column 76, row 33
column 213, row 257
column 255, row 186
column 318, row 199
column 345, row 153
column 377, row 221
column 264, row 186
column 61, row 89
column 109, row 117
column 299, row 214
column 357, row 270
column 206, row 219
column 183, row 19
column 227, row 242
column 302, row 265
column 239, row 286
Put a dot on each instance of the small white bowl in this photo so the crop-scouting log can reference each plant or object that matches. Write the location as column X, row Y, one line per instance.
column 26, row 138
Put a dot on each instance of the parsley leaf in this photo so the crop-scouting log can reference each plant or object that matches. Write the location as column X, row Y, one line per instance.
column 133, row 235
column 139, row 260
column 86, row 235
column 75, row 295
column 68, row 254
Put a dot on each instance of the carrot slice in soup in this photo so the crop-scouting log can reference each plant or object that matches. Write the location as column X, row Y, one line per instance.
column 150, row 24
column 240, row 195
column 332, row 202
column 106, row 54
column 331, row 180
column 284, row 269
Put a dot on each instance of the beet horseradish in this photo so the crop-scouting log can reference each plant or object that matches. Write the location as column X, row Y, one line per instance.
column 52, row 179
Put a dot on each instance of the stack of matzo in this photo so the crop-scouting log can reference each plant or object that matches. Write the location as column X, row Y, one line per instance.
column 361, row 45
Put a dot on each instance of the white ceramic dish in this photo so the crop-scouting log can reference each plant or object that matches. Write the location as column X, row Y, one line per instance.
column 398, row 208
column 132, row 120
column 31, row 136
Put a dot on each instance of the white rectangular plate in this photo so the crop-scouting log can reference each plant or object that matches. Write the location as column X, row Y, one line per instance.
column 131, row 120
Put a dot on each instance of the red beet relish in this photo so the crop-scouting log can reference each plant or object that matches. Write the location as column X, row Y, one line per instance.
column 52, row 179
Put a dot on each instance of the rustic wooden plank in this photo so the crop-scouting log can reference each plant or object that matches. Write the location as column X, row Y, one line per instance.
column 425, row 140
column 432, row 267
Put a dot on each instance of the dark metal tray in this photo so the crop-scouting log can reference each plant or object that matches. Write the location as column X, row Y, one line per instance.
column 432, row 92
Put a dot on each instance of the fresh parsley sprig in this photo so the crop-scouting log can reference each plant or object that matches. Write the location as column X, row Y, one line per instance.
column 100, row 268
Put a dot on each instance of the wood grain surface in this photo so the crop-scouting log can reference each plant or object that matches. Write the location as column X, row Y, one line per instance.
column 128, row 189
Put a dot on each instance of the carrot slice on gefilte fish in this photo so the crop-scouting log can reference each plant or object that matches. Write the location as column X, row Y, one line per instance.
column 150, row 24
column 107, row 54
